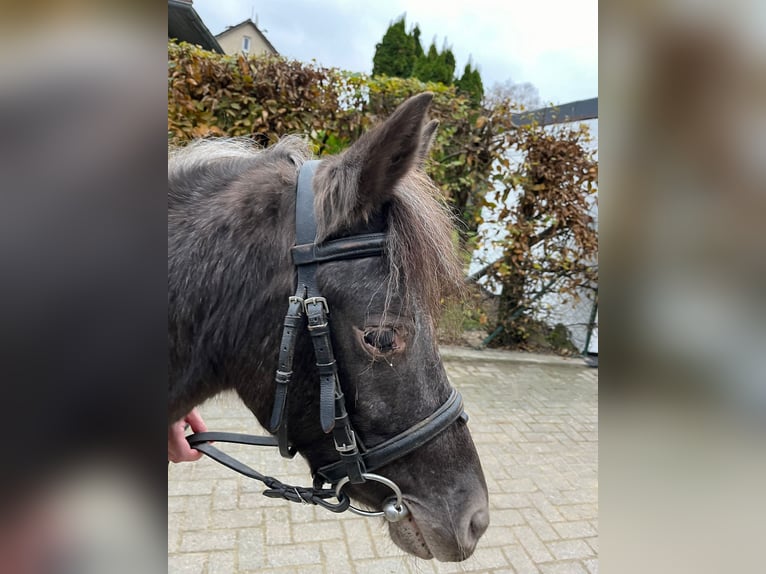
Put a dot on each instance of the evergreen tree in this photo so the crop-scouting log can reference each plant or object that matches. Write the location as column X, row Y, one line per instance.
column 395, row 55
column 425, row 66
column 447, row 67
column 470, row 84
column 400, row 54
column 416, row 39
column 435, row 66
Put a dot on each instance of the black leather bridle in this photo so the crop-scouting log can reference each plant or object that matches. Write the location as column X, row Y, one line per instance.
column 307, row 307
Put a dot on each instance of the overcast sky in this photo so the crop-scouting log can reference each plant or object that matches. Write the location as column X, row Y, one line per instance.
column 552, row 44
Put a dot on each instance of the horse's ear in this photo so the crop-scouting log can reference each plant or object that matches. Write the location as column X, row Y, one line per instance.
column 363, row 178
column 427, row 140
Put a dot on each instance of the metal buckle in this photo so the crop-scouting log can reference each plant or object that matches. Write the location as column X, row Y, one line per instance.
column 299, row 300
column 316, row 301
column 346, row 447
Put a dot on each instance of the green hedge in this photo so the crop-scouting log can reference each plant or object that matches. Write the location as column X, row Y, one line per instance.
column 267, row 97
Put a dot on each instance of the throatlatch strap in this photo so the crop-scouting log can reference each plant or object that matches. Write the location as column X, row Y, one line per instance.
column 278, row 423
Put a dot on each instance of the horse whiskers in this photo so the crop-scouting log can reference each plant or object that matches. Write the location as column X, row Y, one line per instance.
column 455, row 533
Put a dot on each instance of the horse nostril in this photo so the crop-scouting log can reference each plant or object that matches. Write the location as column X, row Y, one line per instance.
column 478, row 525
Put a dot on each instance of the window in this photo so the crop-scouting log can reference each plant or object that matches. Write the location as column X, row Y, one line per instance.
column 246, row 44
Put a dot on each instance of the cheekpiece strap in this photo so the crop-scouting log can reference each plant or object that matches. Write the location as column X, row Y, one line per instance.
column 308, row 306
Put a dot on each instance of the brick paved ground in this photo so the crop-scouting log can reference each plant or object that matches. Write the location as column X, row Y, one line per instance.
column 534, row 422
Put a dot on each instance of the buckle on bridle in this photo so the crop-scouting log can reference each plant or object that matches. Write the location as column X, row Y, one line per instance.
column 316, row 301
column 345, row 448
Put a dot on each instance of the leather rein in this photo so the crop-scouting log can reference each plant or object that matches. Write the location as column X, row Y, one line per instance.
column 307, row 307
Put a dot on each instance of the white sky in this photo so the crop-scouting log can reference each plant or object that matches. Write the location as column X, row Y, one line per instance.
column 552, row 44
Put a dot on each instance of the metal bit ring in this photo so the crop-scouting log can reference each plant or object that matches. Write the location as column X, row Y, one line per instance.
column 396, row 508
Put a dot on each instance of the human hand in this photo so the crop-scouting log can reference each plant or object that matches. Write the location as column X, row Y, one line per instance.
column 178, row 449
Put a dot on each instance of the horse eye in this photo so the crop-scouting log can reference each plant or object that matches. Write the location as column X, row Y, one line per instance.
column 383, row 340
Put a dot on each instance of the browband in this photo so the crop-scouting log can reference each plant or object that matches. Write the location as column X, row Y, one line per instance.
column 354, row 247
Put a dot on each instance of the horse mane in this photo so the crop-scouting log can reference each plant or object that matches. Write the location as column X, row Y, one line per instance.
column 422, row 256
column 420, row 250
column 215, row 158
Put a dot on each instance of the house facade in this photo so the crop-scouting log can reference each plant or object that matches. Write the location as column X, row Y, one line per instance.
column 245, row 38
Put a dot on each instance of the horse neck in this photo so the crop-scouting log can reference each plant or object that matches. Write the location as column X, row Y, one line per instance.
column 233, row 275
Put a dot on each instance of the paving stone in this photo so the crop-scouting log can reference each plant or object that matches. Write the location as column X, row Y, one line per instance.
column 176, row 504
column 237, row 518
column 578, row 511
column 532, row 544
column 225, row 495
column 221, row 562
column 196, row 516
column 303, row 569
column 187, row 563
column 190, row 487
column 295, row 555
column 518, row 485
column 251, row 549
column 484, row 561
column 570, row 549
column 278, row 528
column 380, row 565
column 593, row 543
column 506, row 517
column 360, row 544
column 577, row 529
column 198, row 541
column 563, row 568
column 513, row 500
column 518, row 558
column 592, row 565
column 539, row 524
column 495, row 535
column 335, row 552
column 315, row 532
column 417, row 566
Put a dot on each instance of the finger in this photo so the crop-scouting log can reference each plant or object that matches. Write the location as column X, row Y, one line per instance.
column 195, row 420
column 180, row 454
column 178, row 447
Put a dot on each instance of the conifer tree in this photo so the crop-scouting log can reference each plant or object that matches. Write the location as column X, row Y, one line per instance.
column 396, row 53
column 470, row 83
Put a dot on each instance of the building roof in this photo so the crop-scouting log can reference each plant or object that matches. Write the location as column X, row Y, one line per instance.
column 230, row 29
column 185, row 25
column 571, row 112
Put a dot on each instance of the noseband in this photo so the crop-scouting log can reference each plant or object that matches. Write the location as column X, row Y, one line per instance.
column 308, row 307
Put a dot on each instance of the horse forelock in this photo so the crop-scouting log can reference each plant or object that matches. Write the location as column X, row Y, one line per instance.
column 423, row 264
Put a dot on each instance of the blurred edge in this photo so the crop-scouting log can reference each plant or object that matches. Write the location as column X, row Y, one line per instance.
column 683, row 312
column 82, row 344
column 83, row 286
